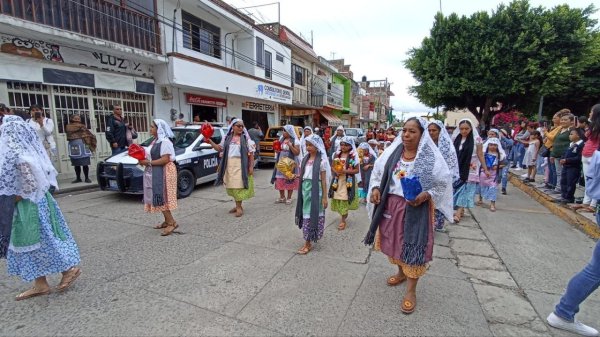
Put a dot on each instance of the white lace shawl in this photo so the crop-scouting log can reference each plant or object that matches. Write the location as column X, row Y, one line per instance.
column 318, row 143
column 25, row 169
column 430, row 167
column 446, row 147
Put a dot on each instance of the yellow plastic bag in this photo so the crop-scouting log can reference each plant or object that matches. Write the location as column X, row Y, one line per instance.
column 286, row 166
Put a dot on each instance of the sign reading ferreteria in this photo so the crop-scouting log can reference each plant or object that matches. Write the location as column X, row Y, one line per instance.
column 205, row 100
column 47, row 51
column 255, row 106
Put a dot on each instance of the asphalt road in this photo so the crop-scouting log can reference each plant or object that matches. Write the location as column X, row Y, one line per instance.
column 494, row 274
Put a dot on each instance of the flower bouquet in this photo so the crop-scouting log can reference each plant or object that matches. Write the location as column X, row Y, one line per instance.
column 136, row 152
column 286, row 166
column 277, row 145
column 489, row 160
column 207, row 131
column 411, row 187
column 338, row 165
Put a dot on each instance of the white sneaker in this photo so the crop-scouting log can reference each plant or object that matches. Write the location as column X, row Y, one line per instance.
column 517, row 168
column 575, row 327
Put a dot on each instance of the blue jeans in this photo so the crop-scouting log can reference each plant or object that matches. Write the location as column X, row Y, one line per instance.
column 580, row 287
column 552, row 174
column 117, row 150
column 504, row 176
column 520, row 154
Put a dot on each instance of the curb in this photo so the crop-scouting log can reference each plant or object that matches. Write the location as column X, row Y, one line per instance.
column 76, row 189
column 577, row 220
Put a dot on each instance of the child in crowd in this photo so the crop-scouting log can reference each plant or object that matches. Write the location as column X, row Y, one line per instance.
column 312, row 198
column 344, row 185
column 507, row 144
column 571, row 162
column 531, row 155
column 489, row 184
column 367, row 158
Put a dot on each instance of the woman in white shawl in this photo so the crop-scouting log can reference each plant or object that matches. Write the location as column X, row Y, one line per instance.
column 315, row 173
column 488, row 184
column 343, row 189
column 307, row 131
column 290, row 147
column 40, row 241
column 403, row 229
column 441, row 138
column 367, row 158
column 160, row 176
column 336, row 139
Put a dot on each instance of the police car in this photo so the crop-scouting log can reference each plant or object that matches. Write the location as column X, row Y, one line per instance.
column 196, row 162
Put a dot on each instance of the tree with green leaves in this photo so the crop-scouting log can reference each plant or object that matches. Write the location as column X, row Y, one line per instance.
column 514, row 55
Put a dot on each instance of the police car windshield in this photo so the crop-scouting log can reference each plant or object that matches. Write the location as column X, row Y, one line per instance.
column 182, row 139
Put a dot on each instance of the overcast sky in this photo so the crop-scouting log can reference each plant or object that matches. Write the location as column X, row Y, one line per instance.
column 374, row 36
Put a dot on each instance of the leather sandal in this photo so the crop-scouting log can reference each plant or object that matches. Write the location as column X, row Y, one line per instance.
column 68, row 279
column 169, row 229
column 342, row 226
column 395, row 280
column 161, row 226
column 239, row 212
column 33, row 292
column 305, row 249
column 233, row 210
column 408, row 306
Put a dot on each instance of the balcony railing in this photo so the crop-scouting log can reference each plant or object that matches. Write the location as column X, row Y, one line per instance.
column 96, row 18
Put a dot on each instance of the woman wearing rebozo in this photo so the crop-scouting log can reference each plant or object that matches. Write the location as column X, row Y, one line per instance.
column 40, row 241
column 82, row 143
column 403, row 229
column 290, row 148
column 236, row 170
column 160, row 176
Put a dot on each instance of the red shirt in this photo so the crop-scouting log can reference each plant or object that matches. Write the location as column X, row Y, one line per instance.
column 590, row 146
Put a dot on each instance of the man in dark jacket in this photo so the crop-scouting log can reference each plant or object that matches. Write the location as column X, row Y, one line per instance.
column 571, row 162
column 116, row 131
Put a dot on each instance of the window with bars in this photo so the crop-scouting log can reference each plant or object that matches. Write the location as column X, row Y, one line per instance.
column 201, row 36
column 299, row 75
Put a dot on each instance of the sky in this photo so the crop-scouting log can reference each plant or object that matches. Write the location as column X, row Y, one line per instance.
column 374, row 36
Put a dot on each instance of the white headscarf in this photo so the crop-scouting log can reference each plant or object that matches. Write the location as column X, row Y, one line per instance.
column 446, row 147
column 318, row 143
column 475, row 133
column 353, row 153
column 429, row 157
column 496, row 131
column 25, row 168
column 341, row 128
column 497, row 142
column 251, row 143
column 163, row 130
column 302, row 141
column 292, row 132
column 366, row 146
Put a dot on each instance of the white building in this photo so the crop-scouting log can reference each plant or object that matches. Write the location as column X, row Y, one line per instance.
column 155, row 58
column 219, row 63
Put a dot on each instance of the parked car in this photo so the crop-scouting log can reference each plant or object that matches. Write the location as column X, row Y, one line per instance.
column 267, row 153
column 357, row 134
column 196, row 162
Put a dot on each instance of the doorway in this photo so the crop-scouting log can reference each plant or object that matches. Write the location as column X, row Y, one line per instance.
column 249, row 117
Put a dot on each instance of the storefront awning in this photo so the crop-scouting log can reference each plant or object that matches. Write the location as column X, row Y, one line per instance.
column 304, row 112
column 332, row 119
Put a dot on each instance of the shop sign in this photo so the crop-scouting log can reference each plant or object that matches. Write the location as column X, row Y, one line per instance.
column 274, row 93
column 205, row 100
column 42, row 50
column 255, row 106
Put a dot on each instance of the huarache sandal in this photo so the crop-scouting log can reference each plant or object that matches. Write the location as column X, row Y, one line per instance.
column 395, row 280
column 305, row 249
column 233, row 210
column 33, row 292
column 161, row 226
column 68, row 278
column 492, row 208
column 342, row 226
column 280, row 201
column 239, row 212
column 169, row 229
column 408, row 306
column 288, row 202
column 456, row 218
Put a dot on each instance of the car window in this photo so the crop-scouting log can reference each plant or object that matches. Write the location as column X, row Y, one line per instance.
column 351, row 132
column 275, row 133
column 147, row 142
column 217, row 136
column 184, row 138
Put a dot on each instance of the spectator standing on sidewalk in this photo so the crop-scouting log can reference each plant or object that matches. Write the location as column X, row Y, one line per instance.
column 40, row 240
column 256, row 134
column 507, row 145
column 560, row 145
column 44, row 128
column 81, row 145
column 116, row 131
column 553, row 179
column 531, row 155
column 521, row 144
column 571, row 162
column 591, row 144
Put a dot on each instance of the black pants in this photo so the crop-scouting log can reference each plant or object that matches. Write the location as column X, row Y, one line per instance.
column 568, row 182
